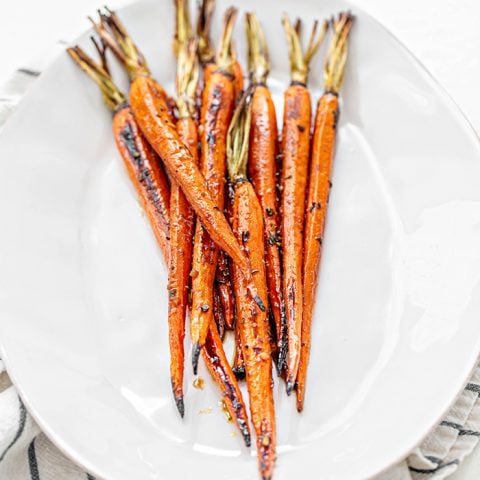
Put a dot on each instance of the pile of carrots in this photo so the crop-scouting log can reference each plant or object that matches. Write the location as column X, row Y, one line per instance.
column 238, row 209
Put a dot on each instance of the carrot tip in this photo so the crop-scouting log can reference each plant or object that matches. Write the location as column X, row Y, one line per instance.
column 239, row 373
column 290, row 386
column 195, row 356
column 180, row 406
column 282, row 357
column 247, row 437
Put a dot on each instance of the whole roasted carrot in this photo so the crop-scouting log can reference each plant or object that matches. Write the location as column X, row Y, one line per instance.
column 114, row 34
column 141, row 161
column 296, row 151
column 253, row 324
column 217, row 109
column 206, row 55
column 323, row 146
column 147, row 106
column 181, row 214
column 262, row 170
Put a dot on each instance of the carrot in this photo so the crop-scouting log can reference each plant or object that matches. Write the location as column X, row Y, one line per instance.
column 296, row 150
column 262, row 170
column 217, row 109
column 323, row 146
column 114, row 34
column 141, row 161
column 181, row 214
column 253, row 325
column 147, row 106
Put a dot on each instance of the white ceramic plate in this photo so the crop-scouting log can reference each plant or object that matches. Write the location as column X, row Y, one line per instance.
column 83, row 287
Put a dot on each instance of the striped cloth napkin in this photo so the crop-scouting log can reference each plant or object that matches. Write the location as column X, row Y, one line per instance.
column 26, row 453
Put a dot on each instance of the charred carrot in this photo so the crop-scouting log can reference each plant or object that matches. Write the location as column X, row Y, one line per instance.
column 296, row 150
column 147, row 106
column 217, row 109
column 114, row 34
column 253, row 324
column 141, row 161
column 323, row 145
column 181, row 214
column 262, row 170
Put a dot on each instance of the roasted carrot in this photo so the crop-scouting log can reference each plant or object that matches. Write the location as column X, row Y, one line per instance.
column 217, row 109
column 262, row 170
column 296, row 150
column 114, row 34
column 206, row 55
column 181, row 214
column 253, row 324
column 147, row 106
column 141, row 161
column 323, row 145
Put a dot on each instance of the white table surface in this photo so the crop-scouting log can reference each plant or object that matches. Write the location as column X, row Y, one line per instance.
column 443, row 34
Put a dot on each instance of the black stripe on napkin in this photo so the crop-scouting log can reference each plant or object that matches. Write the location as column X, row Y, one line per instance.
column 21, row 427
column 456, row 426
column 32, row 462
column 433, row 459
column 90, row 477
column 473, row 387
column 461, row 431
column 29, row 72
column 433, row 470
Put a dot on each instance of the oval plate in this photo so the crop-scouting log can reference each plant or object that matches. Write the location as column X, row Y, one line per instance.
column 83, row 287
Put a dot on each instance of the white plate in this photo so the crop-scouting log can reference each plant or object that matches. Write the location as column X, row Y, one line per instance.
column 83, row 287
